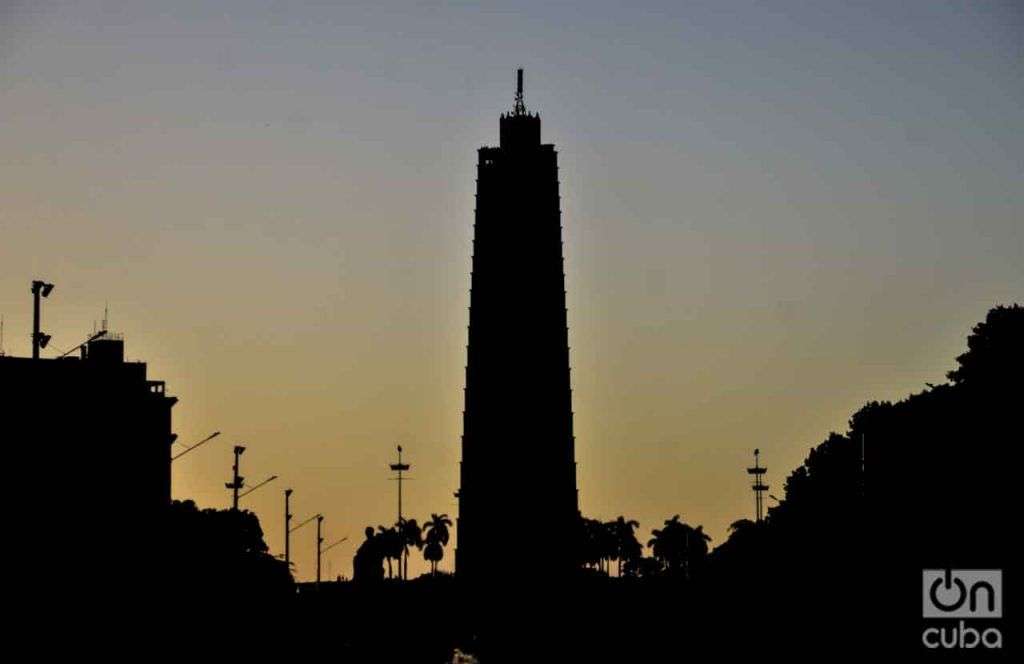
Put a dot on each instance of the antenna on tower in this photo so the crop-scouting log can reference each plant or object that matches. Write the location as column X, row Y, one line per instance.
column 759, row 486
column 520, row 107
column 106, row 315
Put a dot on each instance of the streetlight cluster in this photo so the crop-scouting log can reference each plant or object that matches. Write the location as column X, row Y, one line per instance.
column 236, row 486
column 40, row 340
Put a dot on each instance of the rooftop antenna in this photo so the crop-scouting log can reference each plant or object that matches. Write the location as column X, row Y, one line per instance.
column 106, row 315
column 520, row 107
column 759, row 486
column 1, row 336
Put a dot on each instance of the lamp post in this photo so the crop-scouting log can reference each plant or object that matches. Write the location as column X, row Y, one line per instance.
column 319, row 544
column 261, row 484
column 287, row 527
column 331, row 546
column 237, row 481
column 192, row 447
column 40, row 289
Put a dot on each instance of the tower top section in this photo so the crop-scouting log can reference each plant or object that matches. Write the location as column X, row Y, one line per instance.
column 519, row 128
column 520, row 106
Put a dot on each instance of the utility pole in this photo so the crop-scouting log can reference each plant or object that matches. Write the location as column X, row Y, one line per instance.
column 40, row 289
column 237, row 481
column 319, row 544
column 287, row 527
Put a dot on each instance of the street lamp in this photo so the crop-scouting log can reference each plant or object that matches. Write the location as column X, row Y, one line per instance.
column 332, row 545
column 261, row 484
column 237, row 481
column 192, row 447
column 39, row 339
column 287, row 532
column 319, row 544
column 309, row 520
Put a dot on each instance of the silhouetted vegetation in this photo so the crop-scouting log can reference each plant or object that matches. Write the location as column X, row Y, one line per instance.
column 436, row 539
column 221, row 554
column 922, row 482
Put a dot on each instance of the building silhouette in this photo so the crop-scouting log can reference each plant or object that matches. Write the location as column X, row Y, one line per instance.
column 88, row 444
column 518, row 461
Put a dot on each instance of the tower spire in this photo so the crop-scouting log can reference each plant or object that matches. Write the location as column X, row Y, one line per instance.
column 520, row 107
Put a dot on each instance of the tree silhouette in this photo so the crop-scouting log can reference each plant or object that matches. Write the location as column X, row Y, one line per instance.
column 410, row 534
column 219, row 552
column 627, row 547
column 367, row 564
column 680, row 548
column 995, row 350
column 597, row 543
column 668, row 544
column 903, row 473
column 391, row 546
column 436, row 539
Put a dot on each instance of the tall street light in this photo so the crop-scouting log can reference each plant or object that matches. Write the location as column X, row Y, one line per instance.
column 333, row 544
column 319, row 544
column 39, row 340
column 237, row 481
column 287, row 533
column 192, row 447
column 261, row 484
column 307, row 521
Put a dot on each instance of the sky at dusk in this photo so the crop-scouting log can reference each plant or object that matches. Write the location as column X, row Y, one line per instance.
column 773, row 213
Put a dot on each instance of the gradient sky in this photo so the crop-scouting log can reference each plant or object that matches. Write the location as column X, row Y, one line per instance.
column 773, row 213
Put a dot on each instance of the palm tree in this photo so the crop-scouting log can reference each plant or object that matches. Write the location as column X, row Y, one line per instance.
column 410, row 534
column 436, row 538
column 626, row 545
column 668, row 544
column 592, row 542
column 696, row 549
column 607, row 544
column 391, row 546
column 741, row 526
column 679, row 547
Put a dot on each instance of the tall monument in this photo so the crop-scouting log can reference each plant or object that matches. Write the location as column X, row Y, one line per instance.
column 517, row 496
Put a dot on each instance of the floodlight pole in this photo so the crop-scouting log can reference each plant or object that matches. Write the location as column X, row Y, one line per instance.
column 35, row 321
column 319, row 545
column 40, row 289
column 237, row 481
column 287, row 527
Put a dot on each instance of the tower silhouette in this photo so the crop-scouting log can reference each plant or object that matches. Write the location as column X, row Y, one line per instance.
column 518, row 461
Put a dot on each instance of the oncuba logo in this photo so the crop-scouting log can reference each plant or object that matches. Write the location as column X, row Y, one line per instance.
column 966, row 594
